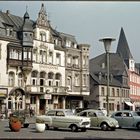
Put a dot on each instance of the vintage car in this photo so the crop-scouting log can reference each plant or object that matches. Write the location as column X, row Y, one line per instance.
column 98, row 119
column 127, row 119
column 64, row 118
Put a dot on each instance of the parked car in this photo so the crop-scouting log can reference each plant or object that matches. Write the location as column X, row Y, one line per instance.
column 127, row 119
column 64, row 118
column 138, row 112
column 24, row 116
column 98, row 119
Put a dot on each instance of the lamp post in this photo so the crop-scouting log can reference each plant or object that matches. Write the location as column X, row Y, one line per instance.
column 107, row 44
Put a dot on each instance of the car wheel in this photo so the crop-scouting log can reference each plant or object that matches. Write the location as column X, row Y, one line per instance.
column 83, row 129
column 138, row 126
column 104, row 126
column 47, row 127
column 74, row 128
column 25, row 125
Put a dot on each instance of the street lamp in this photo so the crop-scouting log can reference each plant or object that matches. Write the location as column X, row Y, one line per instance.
column 107, row 44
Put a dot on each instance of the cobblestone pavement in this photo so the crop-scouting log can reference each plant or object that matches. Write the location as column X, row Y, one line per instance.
column 31, row 133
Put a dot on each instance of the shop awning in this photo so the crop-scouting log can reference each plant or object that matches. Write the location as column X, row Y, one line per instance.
column 3, row 95
column 129, row 103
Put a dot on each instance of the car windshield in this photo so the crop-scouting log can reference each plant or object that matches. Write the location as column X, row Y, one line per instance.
column 135, row 114
column 69, row 113
column 100, row 113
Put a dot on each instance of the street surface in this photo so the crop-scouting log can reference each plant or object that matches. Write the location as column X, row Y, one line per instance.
column 30, row 133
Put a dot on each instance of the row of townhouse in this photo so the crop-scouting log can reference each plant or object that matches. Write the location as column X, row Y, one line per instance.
column 41, row 68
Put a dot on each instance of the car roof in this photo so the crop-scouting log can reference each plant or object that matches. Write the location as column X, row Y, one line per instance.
column 87, row 110
column 123, row 111
column 60, row 110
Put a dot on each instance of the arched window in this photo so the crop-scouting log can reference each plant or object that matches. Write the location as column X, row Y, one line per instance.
column 50, row 78
column 20, row 103
column 42, row 81
column 42, row 78
column 9, row 103
column 58, row 79
column 34, row 76
column 11, row 78
column 20, row 80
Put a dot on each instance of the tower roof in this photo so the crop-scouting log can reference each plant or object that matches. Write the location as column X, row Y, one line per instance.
column 26, row 15
column 123, row 48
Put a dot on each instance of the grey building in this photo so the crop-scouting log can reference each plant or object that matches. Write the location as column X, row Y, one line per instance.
column 118, row 83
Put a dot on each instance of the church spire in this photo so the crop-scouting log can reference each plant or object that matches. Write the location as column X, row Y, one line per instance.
column 123, row 48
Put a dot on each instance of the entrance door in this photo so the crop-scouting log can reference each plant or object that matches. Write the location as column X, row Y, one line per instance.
column 60, row 103
column 42, row 106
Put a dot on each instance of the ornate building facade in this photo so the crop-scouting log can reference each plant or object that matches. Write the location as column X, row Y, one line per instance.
column 41, row 68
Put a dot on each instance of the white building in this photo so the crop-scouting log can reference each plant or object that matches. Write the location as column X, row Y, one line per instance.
column 41, row 68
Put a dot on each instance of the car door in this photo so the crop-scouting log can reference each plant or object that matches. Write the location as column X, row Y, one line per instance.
column 128, row 119
column 59, row 119
column 119, row 118
column 94, row 118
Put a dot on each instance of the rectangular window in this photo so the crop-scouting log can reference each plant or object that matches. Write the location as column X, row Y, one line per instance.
column 58, row 59
column 50, row 57
column 9, row 105
column 102, row 91
column 25, row 55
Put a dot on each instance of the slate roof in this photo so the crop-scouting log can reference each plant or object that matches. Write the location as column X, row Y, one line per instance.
column 12, row 20
column 68, row 36
column 123, row 48
column 17, row 23
column 117, row 68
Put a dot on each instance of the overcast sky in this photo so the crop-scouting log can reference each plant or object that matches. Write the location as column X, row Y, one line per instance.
column 88, row 21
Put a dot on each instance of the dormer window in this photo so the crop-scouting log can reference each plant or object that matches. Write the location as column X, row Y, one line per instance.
column 100, row 75
column 68, row 43
column 103, row 65
column 11, row 32
column 8, row 32
column 111, row 77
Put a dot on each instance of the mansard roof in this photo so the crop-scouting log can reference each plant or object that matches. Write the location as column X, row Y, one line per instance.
column 68, row 36
column 123, row 48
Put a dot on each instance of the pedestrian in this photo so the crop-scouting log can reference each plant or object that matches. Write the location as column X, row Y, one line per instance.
column 31, row 111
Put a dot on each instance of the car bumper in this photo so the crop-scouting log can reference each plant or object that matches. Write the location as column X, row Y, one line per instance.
column 85, row 126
